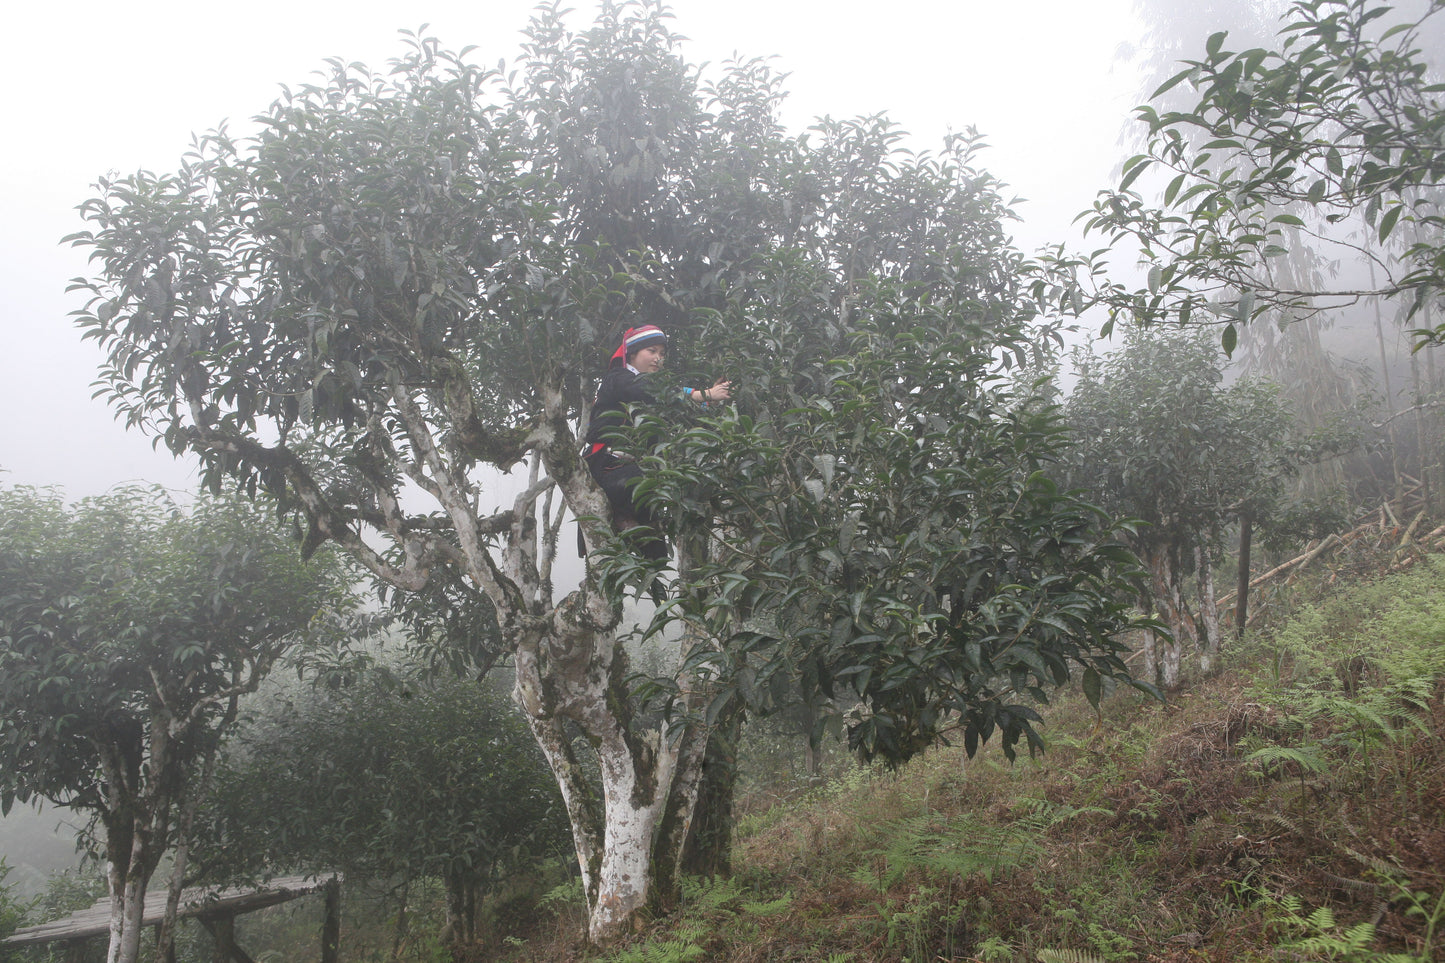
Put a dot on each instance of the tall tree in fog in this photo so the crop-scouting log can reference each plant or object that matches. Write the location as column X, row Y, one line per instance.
column 1283, row 182
column 404, row 286
column 1331, row 364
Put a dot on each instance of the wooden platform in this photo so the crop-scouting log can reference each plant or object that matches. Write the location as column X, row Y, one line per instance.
column 210, row 906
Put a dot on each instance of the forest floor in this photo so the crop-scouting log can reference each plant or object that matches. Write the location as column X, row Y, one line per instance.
column 1290, row 806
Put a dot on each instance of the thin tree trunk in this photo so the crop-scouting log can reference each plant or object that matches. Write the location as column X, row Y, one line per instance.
column 1168, row 594
column 115, row 887
column 1432, row 385
column 1173, row 650
column 127, row 916
column 1149, row 645
column 695, row 836
column 709, row 844
column 810, row 752
column 1422, row 444
column 166, row 933
column 583, row 809
column 677, row 827
column 125, row 945
column 403, row 924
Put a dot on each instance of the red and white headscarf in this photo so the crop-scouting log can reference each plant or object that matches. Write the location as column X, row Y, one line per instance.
column 632, row 339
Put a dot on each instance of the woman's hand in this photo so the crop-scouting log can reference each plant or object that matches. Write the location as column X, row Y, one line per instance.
column 722, row 390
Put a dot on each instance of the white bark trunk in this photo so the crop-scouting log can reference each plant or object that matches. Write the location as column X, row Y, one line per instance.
column 632, row 808
column 581, row 815
column 1209, row 632
column 681, row 803
column 1151, row 657
column 126, row 915
column 1169, row 664
column 115, row 886
column 1167, row 594
column 1149, row 643
column 573, row 679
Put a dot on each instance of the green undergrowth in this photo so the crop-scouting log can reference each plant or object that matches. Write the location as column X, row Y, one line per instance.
column 1292, row 807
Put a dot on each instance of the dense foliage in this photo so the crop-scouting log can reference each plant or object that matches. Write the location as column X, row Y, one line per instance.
column 891, row 545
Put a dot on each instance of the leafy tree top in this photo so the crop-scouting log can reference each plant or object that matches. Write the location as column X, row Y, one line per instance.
column 1159, row 434
column 125, row 619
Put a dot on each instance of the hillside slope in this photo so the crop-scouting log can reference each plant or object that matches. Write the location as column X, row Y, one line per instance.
column 1290, row 807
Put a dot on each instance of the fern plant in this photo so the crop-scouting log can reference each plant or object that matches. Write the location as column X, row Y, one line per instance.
column 769, row 907
column 1317, row 935
column 665, row 951
column 1069, row 956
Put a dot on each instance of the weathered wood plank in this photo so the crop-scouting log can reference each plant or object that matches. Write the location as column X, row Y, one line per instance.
column 196, row 902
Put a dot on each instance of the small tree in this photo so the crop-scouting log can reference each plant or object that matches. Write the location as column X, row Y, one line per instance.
column 129, row 631
column 1337, row 128
column 1160, row 437
column 389, row 782
column 12, row 908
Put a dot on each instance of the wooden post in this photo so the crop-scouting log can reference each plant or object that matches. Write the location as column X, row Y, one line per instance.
column 331, row 925
column 223, row 933
column 1241, row 594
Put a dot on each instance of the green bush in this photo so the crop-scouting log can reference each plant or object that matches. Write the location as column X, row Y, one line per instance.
column 12, row 910
column 1391, row 629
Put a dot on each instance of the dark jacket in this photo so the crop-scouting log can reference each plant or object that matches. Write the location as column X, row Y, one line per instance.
column 620, row 387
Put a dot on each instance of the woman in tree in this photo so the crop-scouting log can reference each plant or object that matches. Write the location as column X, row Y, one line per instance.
column 642, row 352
